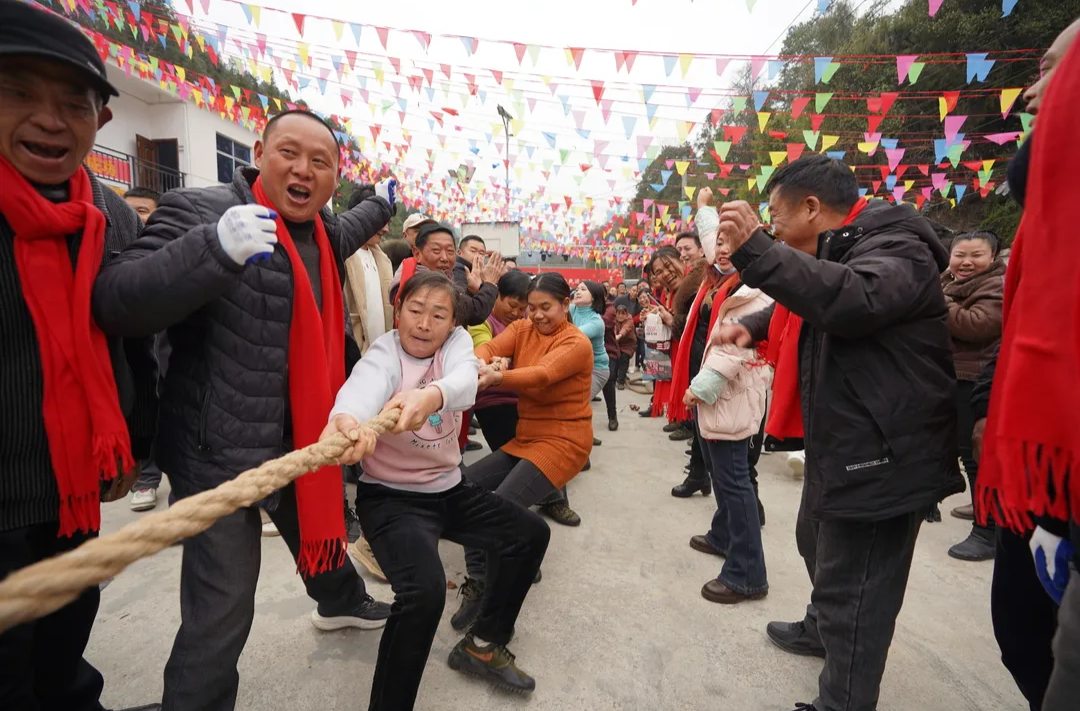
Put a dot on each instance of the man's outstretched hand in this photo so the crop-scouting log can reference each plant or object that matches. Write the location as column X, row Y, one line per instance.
column 738, row 220
column 733, row 334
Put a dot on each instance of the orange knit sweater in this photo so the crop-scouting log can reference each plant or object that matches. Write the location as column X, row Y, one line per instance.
column 551, row 375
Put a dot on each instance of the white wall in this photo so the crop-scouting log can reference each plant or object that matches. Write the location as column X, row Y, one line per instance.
column 202, row 129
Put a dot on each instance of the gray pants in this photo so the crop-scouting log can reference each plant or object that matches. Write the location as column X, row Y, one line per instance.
column 516, row 480
column 218, row 576
column 1064, row 688
column 599, row 378
column 860, row 573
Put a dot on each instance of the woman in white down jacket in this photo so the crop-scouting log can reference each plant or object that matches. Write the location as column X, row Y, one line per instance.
column 729, row 393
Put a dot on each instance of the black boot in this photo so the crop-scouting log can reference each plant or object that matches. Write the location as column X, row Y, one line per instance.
column 761, row 512
column 979, row 545
column 696, row 480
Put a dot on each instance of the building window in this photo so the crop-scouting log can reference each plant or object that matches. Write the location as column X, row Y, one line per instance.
column 230, row 156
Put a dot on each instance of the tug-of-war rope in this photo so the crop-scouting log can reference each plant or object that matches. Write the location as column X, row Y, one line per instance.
column 42, row 588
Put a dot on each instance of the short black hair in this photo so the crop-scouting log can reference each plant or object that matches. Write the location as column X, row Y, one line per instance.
column 301, row 112
column 688, row 235
column 509, row 259
column 830, row 181
column 428, row 228
column 991, row 238
column 433, row 280
column 360, row 193
column 551, row 283
column 397, row 250
column 514, row 285
column 146, row 193
column 599, row 296
column 470, row 238
column 667, row 251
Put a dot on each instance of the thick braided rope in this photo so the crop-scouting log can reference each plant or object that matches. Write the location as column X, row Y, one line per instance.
column 42, row 588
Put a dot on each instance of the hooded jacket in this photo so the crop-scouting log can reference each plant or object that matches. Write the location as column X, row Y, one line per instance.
column 876, row 373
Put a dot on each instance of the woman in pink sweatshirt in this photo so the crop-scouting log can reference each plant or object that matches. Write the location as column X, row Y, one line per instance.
column 412, row 494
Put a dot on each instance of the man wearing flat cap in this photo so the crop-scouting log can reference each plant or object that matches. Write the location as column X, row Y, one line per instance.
column 65, row 388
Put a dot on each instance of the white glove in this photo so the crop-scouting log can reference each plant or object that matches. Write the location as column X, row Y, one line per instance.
column 1052, row 555
column 387, row 190
column 247, row 232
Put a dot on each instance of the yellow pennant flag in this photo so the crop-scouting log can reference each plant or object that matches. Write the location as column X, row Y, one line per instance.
column 339, row 27
column 689, row 190
column 303, row 49
column 681, row 166
column 868, row 147
column 762, row 120
column 685, row 60
column 256, row 15
column 988, row 165
column 379, row 75
column 181, row 73
column 1008, row 98
column 751, row 183
column 681, row 130
column 908, row 185
column 828, row 142
column 777, row 157
column 943, row 107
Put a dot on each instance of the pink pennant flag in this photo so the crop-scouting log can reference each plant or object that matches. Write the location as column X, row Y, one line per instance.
column 757, row 63
column 424, row 38
column 952, row 127
column 935, row 5
column 721, row 65
column 939, row 180
column 519, row 50
column 605, row 109
column 895, row 155
column 383, row 33
column 643, row 143
column 1002, row 138
column 903, row 65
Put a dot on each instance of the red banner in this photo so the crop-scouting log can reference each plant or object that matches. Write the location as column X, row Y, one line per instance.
column 576, row 276
column 109, row 167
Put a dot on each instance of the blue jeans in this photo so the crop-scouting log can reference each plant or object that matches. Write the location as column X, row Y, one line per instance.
column 736, row 528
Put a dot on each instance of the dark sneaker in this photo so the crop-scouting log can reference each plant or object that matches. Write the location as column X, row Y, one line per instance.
column 979, row 545
column 680, row 434
column 800, row 706
column 471, row 594
column 596, row 442
column 793, row 637
column 672, row 426
column 934, row 514
column 493, row 663
column 368, row 615
column 352, row 524
column 613, row 424
column 473, row 446
column 966, row 512
column 559, row 512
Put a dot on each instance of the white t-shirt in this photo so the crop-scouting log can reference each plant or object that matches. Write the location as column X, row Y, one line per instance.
column 375, row 318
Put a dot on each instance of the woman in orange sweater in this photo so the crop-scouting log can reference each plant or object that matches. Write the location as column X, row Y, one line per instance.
column 552, row 364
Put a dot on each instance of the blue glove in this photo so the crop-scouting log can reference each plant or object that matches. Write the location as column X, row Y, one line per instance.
column 1052, row 555
column 387, row 190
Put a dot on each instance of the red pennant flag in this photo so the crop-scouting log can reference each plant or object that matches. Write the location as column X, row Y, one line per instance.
column 383, row 33
column 815, row 121
column 375, row 131
column 924, row 169
column 445, row 70
column 424, row 38
column 568, row 201
column 884, row 171
column 901, row 169
column 498, row 76
column 794, row 151
column 396, row 64
column 734, row 133
column 585, row 167
column 299, row 20
column 350, row 55
column 951, row 97
column 975, row 165
column 798, row 106
column 577, row 53
column 887, row 100
column 597, row 89
column 519, row 50
column 876, row 184
column 872, row 123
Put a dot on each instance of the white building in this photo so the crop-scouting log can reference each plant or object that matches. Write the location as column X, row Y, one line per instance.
column 159, row 141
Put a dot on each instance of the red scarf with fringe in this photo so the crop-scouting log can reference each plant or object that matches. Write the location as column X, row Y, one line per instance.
column 88, row 437
column 1032, row 439
column 680, row 374
column 785, row 420
column 316, row 373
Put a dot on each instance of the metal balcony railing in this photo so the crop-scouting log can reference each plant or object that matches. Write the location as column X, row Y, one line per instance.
column 132, row 171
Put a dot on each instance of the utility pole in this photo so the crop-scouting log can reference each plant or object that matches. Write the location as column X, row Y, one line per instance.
column 506, row 119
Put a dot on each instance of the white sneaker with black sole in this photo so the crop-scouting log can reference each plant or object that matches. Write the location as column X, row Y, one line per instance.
column 370, row 614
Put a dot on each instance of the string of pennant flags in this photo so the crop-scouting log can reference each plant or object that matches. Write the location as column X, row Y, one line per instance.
column 373, row 89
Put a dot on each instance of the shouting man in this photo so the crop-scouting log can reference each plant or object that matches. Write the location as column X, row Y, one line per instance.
column 64, row 387
column 247, row 278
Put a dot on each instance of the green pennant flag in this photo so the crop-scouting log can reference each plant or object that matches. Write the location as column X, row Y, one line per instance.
column 915, row 71
column 829, row 71
column 1025, row 122
column 820, row 100
column 954, row 154
column 236, row 92
column 563, row 155
column 811, row 138
column 722, row 149
column 652, row 152
column 738, row 104
column 766, row 173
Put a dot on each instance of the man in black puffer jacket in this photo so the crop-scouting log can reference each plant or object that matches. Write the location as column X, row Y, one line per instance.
column 875, row 385
column 224, row 405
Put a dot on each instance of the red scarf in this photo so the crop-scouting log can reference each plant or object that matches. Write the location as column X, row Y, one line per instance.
column 1032, row 439
column 680, row 374
column 785, row 419
column 88, row 438
column 662, row 388
column 316, row 372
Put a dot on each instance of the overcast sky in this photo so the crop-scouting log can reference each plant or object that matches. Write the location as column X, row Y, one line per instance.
column 563, row 109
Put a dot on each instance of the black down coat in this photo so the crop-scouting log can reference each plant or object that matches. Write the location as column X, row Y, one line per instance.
column 224, row 400
column 876, row 373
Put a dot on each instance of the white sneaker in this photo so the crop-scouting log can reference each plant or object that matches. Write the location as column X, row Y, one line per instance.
column 143, row 499
column 270, row 530
column 633, row 369
column 797, row 463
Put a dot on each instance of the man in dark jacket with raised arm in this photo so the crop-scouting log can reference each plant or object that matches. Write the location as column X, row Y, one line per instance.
column 871, row 389
column 210, row 269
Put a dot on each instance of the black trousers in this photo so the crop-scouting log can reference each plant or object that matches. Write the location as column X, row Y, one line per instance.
column 1024, row 616
column 622, row 366
column 404, row 529
column 498, row 424
column 860, row 573
column 218, row 577
column 41, row 662
column 609, row 388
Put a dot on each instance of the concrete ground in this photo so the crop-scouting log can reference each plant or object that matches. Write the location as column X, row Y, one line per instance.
column 617, row 623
